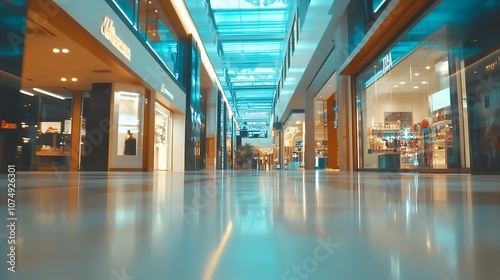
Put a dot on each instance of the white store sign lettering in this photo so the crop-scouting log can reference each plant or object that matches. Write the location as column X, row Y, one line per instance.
column 108, row 30
column 387, row 63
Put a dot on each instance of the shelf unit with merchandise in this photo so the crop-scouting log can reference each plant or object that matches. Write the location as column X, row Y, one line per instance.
column 405, row 142
column 442, row 143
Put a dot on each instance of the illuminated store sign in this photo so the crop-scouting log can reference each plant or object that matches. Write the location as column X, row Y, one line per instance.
column 387, row 63
column 166, row 92
column 108, row 30
column 6, row 125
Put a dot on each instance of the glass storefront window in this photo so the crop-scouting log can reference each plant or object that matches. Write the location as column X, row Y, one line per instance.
column 46, row 129
column 127, row 7
column 404, row 108
column 293, row 153
column 128, row 122
column 320, row 134
column 229, row 141
column 163, row 138
column 483, row 78
column 432, row 99
column 156, row 30
column 126, row 128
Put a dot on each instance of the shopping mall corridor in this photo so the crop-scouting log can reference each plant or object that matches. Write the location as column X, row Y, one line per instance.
column 250, row 225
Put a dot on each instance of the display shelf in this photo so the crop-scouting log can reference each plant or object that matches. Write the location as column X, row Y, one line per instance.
column 441, row 141
column 52, row 154
column 405, row 144
column 441, row 122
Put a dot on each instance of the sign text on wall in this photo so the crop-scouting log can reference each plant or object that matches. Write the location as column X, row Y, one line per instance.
column 108, row 30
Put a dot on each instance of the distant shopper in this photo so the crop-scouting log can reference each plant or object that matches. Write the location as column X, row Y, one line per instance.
column 130, row 144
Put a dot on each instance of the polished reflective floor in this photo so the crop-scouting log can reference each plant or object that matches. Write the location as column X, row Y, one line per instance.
column 253, row 225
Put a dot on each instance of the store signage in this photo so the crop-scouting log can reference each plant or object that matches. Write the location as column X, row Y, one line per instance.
column 108, row 31
column 166, row 92
column 387, row 63
column 7, row 125
column 490, row 67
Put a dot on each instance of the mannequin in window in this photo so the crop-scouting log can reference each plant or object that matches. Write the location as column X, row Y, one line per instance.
column 130, row 144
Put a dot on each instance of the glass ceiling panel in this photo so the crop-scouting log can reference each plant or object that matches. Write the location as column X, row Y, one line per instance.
column 256, row 29
column 277, row 17
column 260, row 47
column 251, row 39
column 247, row 4
column 250, row 22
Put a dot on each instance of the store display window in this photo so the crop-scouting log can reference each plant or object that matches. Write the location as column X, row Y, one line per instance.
column 128, row 122
column 127, row 126
column 46, row 129
column 163, row 138
column 293, row 156
column 404, row 107
column 320, row 134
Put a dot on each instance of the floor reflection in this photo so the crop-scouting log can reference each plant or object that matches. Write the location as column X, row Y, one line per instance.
column 257, row 225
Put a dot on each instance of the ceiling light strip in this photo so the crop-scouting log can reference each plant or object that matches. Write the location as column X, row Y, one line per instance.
column 49, row 93
column 26, row 92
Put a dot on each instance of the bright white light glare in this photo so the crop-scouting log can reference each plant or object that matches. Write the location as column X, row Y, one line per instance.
column 427, row 67
column 56, row 50
column 74, row 79
column 157, row 110
column 134, row 94
column 26, row 92
column 64, row 79
column 65, row 50
column 403, row 83
column 48, row 93
column 379, row 6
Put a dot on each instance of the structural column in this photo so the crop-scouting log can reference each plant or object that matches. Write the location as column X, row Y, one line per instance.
column 76, row 124
column 309, row 151
column 149, row 131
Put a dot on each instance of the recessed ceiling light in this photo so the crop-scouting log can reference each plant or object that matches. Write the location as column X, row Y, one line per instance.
column 416, row 74
column 424, row 82
column 74, row 79
column 56, row 50
column 415, row 87
column 427, row 67
column 403, row 83
column 65, row 50
column 475, row 72
column 64, row 79
column 396, row 86
column 329, row 85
